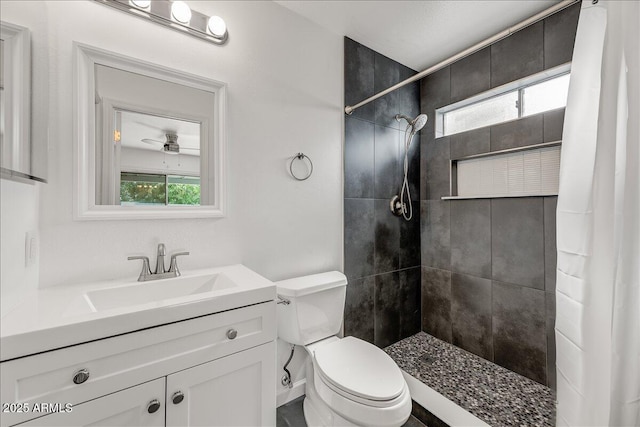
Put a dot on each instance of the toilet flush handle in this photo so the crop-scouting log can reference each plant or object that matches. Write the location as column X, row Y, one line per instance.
column 283, row 301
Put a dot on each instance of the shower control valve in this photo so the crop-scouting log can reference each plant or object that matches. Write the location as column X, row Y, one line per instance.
column 396, row 206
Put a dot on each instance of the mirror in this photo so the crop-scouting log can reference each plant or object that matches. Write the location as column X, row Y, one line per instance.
column 158, row 162
column 150, row 140
column 15, row 101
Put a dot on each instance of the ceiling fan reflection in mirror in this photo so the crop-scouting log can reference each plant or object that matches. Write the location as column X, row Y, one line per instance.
column 170, row 146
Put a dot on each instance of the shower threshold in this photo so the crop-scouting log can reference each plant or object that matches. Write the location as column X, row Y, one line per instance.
column 462, row 389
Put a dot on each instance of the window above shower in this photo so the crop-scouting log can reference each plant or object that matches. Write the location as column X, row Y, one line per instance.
column 532, row 95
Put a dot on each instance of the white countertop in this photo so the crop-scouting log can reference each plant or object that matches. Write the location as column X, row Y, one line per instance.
column 60, row 316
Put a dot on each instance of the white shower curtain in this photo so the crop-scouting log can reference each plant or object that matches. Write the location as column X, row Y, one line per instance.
column 598, row 223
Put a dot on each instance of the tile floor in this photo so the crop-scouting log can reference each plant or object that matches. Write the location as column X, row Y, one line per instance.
column 492, row 393
column 291, row 415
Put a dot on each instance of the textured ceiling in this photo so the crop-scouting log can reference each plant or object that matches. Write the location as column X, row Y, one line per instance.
column 417, row 33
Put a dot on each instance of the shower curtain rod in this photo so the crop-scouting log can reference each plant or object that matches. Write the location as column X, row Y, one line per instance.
column 473, row 49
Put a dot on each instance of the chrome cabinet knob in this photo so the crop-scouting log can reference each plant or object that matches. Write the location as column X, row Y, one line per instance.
column 177, row 397
column 232, row 333
column 81, row 376
column 153, row 406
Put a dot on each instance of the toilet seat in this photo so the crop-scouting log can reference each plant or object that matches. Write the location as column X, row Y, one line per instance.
column 359, row 371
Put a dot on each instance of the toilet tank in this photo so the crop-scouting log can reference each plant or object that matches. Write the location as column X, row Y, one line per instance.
column 315, row 307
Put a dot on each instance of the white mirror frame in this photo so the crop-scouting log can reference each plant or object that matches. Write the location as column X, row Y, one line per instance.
column 84, row 137
column 17, row 83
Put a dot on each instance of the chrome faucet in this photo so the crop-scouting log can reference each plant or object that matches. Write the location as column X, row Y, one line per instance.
column 160, row 259
column 160, row 272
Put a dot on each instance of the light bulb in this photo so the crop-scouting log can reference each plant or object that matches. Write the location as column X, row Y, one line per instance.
column 216, row 26
column 181, row 12
column 141, row 4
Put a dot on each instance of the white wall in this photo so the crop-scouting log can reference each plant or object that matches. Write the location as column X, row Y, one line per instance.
column 285, row 96
column 18, row 216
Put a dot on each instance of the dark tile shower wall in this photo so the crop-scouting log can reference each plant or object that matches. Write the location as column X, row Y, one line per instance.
column 488, row 265
column 382, row 251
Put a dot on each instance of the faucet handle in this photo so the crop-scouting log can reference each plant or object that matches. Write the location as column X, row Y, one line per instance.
column 146, row 269
column 173, row 267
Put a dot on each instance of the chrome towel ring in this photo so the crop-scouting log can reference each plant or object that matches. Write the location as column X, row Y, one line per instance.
column 301, row 157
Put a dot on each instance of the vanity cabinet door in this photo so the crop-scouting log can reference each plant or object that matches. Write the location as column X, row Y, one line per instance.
column 237, row 390
column 142, row 405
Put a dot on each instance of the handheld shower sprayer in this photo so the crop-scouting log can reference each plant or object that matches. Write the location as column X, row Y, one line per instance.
column 416, row 124
column 401, row 205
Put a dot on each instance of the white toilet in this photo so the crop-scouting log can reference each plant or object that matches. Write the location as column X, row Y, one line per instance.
column 349, row 381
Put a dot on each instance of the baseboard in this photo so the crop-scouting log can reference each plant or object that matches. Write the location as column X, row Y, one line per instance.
column 289, row 394
column 439, row 405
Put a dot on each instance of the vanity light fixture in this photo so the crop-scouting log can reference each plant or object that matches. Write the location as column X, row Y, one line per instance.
column 217, row 26
column 177, row 15
column 141, row 4
column 181, row 12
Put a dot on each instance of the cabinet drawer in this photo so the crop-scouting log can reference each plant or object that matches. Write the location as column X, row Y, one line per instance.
column 127, row 360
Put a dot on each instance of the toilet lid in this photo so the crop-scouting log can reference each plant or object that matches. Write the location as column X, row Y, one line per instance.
column 359, row 368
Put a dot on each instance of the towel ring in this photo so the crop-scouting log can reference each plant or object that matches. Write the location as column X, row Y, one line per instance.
column 301, row 156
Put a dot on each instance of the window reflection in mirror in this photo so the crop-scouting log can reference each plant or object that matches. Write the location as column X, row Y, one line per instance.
column 150, row 137
column 138, row 189
column 15, row 100
column 2, row 101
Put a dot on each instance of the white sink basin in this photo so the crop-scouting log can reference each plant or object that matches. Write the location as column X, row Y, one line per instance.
column 67, row 315
column 156, row 290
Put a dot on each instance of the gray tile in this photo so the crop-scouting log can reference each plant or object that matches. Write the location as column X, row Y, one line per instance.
column 410, row 239
column 410, row 304
column 517, row 133
column 358, row 158
column 518, row 241
column 517, row 56
column 471, row 75
column 424, row 417
column 387, row 238
column 550, row 250
column 413, row 175
column 413, row 422
column 435, row 241
column 471, row 237
column 471, row 142
column 436, row 303
column 358, row 311
column 435, row 90
column 435, row 164
column 471, row 314
column 408, row 95
column 358, row 77
column 359, row 227
column 386, row 74
column 559, row 36
column 291, row 414
column 550, row 319
column 519, row 336
column 387, row 309
column 553, row 124
column 388, row 177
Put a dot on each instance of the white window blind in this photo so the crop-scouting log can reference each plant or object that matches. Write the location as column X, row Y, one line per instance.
column 532, row 172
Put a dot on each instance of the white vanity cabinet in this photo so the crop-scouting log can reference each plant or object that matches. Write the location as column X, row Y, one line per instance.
column 222, row 365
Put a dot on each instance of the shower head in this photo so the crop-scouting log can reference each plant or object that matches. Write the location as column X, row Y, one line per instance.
column 419, row 122
column 416, row 124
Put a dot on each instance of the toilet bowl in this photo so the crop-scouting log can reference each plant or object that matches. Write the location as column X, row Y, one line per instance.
column 350, row 382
